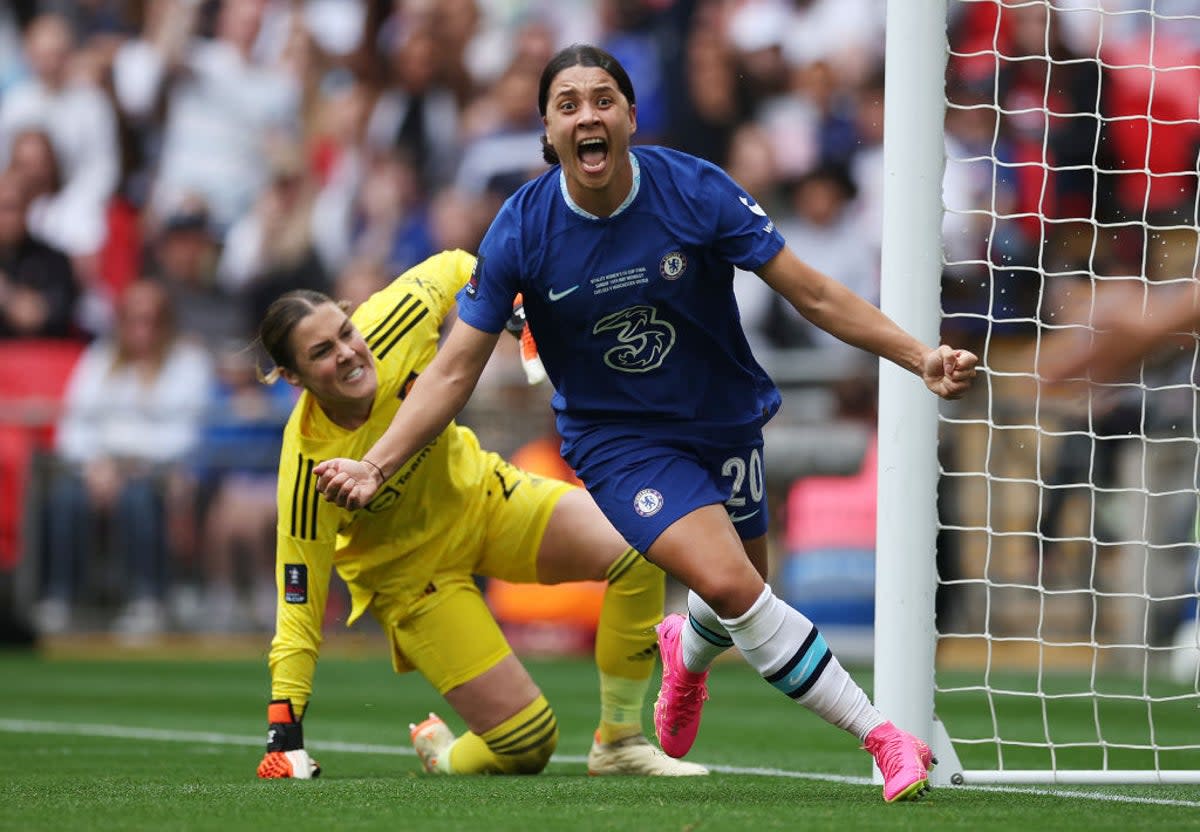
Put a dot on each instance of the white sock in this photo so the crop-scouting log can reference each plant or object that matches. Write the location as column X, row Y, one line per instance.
column 789, row 652
column 704, row 638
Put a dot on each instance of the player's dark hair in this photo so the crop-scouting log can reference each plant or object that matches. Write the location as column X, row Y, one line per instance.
column 281, row 318
column 579, row 54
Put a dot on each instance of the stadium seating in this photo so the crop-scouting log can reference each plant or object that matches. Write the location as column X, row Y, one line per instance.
column 829, row 568
column 32, row 383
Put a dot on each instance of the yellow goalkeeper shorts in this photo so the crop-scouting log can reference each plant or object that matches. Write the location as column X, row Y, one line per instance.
column 449, row 634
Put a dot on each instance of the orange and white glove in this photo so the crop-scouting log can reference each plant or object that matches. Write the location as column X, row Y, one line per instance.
column 531, row 362
column 285, row 755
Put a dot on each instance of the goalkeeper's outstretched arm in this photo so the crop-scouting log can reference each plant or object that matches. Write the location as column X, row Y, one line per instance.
column 435, row 399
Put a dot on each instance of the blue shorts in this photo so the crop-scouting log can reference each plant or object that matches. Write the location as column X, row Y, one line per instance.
column 644, row 485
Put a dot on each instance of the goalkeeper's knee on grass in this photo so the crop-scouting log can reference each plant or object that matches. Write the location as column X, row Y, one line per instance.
column 286, row 757
column 521, row 744
column 525, row 743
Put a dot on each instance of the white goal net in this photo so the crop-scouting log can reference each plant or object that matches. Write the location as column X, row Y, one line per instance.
column 1067, row 577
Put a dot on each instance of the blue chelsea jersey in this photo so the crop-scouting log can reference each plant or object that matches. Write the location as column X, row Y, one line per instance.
column 634, row 314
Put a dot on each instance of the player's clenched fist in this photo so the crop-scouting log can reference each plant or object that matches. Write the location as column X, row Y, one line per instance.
column 949, row 372
column 285, row 755
column 349, row 483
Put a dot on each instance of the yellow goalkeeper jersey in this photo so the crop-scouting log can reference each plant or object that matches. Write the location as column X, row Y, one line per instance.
column 394, row 544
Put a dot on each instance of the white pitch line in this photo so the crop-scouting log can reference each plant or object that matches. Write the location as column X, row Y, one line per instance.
column 128, row 732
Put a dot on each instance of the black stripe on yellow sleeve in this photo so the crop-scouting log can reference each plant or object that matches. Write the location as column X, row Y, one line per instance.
column 316, row 501
column 307, row 523
column 403, row 309
column 296, row 491
column 305, row 500
column 420, row 316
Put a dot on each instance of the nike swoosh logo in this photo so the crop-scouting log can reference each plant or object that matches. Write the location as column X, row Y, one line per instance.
column 553, row 295
column 755, row 208
column 737, row 518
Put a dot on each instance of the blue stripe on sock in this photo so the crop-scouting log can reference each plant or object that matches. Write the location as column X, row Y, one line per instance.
column 814, row 676
column 787, row 666
column 715, row 639
column 801, row 672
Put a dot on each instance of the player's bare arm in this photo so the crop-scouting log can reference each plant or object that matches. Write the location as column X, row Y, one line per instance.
column 830, row 305
column 438, row 395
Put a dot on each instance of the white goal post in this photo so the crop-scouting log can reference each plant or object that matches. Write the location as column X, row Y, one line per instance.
column 1063, row 647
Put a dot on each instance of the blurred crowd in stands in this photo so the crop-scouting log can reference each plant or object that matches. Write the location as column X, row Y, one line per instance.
column 169, row 167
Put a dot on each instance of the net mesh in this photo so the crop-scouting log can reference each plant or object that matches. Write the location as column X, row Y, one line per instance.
column 1068, row 575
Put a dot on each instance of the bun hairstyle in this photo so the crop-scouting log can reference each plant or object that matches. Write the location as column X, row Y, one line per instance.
column 274, row 333
column 579, row 54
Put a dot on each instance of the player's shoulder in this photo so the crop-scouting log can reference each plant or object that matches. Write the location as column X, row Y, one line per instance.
column 439, row 276
column 654, row 157
column 520, row 225
column 672, row 175
column 431, row 283
column 536, row 196
column 307, row 439
column 294, row 429
column 303, row 430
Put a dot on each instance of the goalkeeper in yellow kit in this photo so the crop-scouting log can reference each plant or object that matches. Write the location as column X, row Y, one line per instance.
column 408, row 556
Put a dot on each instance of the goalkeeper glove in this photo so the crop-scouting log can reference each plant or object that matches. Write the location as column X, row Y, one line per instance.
column 285, row 755
column 517, row 327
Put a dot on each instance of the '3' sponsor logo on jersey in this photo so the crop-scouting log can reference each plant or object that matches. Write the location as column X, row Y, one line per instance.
column 643, row 339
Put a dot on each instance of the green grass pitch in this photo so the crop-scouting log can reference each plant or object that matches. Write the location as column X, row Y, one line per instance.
column 140, row 744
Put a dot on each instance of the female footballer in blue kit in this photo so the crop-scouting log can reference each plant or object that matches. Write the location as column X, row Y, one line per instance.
column 625, row 260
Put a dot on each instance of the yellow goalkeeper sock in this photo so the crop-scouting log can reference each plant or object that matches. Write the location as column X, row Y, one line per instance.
column 521, row 744
column 621, row 702
column 626, row 642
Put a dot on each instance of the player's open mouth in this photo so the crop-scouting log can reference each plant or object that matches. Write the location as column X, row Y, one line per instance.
column 355, row 374
column 593, row 154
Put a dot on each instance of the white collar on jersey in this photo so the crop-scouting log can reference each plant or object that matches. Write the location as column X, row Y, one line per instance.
column 633, row 191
